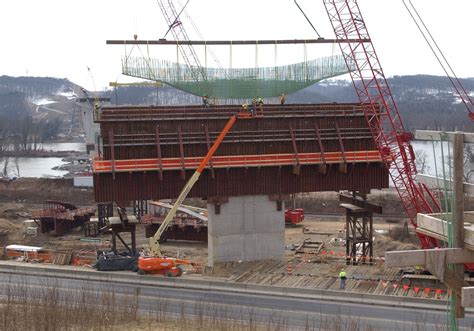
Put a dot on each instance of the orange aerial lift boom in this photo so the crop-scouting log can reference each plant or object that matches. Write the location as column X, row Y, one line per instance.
column 156, row 263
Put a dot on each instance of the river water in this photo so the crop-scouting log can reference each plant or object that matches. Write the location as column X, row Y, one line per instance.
column 41, row 166
column 426, row 147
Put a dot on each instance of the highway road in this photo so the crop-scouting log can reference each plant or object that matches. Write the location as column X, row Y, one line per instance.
column 293, row 312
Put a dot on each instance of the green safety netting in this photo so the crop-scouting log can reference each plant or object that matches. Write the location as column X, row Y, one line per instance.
column 236, row 83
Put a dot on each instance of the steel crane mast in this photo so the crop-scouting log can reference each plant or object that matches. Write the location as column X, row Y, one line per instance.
column 380, row 109
column 187, row 51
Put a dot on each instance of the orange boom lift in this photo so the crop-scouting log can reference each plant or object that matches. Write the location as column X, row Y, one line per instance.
column 170, row 267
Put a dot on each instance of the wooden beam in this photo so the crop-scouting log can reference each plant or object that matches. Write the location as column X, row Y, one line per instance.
column 323, row 167
column 433, row 183
column 353, row 208
column 358, row 201
column 436, row 135
column 234, row 42
column 419, row 257
column 158, row 153
column 435, row 224
column 441, row 237
column 436, row 262
column 342, row 166
column 467, row 295
column 208, row 143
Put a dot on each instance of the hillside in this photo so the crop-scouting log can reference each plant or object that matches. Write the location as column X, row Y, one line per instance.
column 37, row 109
column 425, row 102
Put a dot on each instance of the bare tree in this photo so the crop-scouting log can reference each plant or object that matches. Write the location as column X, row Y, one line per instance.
column 421, row 161
column 468, row 163
column 5, row 168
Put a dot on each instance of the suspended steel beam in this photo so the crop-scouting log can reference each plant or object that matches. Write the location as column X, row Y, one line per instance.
column 234, row 42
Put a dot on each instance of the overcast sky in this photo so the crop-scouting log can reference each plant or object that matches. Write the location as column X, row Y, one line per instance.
column 61, row 38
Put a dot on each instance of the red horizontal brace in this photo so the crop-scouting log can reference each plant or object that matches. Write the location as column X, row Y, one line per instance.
column 236, row 161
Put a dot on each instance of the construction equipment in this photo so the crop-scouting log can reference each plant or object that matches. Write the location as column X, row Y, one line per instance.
column 388, row 131
column 170, row 267
column 294, row 216
column 179, row 33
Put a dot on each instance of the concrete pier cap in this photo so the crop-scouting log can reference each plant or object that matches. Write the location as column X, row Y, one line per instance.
column 246, row 228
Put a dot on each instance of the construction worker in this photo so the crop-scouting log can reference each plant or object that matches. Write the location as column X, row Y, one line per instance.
column 205, row 101
column 343, row 277
column 260, row 104
column 282, row 99
column 253, row 110
column 245, row 107
column 418, row 269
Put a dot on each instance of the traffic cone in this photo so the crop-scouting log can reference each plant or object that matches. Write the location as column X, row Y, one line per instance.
column 289, row 269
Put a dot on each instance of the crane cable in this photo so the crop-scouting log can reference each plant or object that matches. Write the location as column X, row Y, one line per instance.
column 304, row 14
column 463, row 95
column 200, row 35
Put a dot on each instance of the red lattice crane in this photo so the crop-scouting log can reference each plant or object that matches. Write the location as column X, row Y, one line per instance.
column 172, row 17
column 380, row 109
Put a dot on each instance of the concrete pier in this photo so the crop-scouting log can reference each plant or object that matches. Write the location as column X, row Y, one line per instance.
column 246, row 228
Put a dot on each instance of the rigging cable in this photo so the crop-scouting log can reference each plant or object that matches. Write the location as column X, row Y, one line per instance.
column 304, row 14
column 200, row 35
column 463, row 95
column 176, row 21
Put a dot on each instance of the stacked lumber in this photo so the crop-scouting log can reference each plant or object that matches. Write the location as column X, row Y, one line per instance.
column 62, row 257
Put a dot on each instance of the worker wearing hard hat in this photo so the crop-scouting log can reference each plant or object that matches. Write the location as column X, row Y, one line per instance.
column 343, row 277
column 205, row 101
column 282, row 99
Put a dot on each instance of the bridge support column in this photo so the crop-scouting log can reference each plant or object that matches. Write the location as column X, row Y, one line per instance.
column 248, row 228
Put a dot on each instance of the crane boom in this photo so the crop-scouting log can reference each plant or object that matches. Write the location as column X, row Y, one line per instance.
column 154, row 241
column 380, row 110
column 179, row 33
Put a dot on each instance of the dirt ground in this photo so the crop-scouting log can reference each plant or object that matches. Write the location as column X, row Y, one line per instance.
column 323, row 215
column 37, row 190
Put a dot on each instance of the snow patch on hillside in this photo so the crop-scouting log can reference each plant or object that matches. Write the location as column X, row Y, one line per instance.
column 66, row 92
column 69, row 95
column 42, row 102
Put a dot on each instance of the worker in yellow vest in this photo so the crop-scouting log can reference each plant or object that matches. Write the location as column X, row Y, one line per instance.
column 343, row 277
